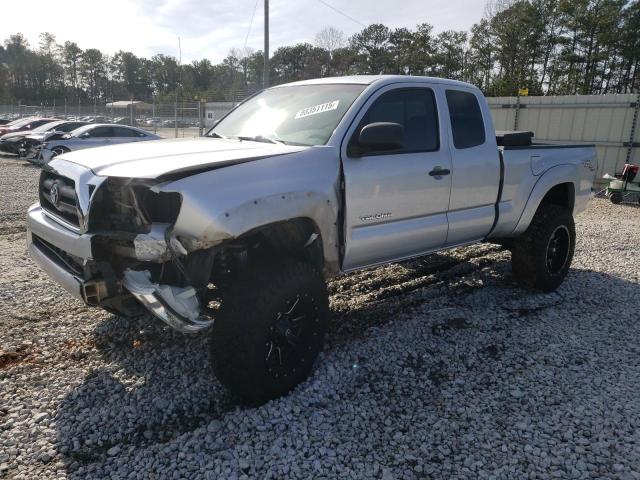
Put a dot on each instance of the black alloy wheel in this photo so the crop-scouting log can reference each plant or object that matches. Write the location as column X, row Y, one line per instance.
column 558, row 249
column 291, row 335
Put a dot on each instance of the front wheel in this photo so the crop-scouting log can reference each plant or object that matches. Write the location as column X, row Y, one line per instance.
column 269, row 329
column 541, row 257
column 58, row 151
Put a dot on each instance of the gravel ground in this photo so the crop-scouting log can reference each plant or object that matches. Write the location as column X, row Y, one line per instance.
column 435, row 368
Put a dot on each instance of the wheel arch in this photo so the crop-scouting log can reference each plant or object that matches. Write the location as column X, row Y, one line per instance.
column 556, row 187
column 298, row 237
column 62, row 148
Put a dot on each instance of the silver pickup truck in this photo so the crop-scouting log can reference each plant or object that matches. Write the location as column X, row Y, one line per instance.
column 237, row 232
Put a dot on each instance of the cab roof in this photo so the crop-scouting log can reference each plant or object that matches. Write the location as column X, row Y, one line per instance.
column 378, row 80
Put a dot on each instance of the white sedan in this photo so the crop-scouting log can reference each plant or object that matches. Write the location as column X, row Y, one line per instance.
column 89, row 136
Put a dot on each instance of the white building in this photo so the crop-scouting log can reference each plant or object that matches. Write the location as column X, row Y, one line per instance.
column 214, row 111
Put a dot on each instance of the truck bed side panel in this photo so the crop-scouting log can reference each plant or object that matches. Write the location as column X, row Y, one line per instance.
column 523, row 190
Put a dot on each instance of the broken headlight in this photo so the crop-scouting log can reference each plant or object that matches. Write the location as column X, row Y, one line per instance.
column 131, row 206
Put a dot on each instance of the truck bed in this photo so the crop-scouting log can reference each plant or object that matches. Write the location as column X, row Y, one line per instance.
column 524, row 139
column 526, row 165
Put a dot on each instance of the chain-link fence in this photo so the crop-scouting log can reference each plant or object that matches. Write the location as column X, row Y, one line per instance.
column 170, row 120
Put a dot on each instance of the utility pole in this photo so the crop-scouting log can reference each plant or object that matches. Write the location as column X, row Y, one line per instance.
column 265, row 74
column 175, row 105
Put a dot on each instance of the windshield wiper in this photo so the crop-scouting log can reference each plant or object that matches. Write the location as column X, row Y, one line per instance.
column 260, row 138
column 218, row 135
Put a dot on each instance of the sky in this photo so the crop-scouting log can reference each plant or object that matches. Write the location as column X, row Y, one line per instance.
column 210, row 28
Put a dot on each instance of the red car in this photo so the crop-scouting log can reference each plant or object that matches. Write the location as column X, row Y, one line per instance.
column 24, row 124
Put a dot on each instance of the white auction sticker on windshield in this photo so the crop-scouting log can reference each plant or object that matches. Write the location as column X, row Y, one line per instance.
column 323, row 107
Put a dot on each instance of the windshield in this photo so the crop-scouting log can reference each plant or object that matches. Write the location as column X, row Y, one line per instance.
column 85, row 128
column 47, row 126
column 20, row 123
column 296, row 115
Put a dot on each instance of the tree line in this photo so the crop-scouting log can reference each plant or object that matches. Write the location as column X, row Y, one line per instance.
column 554, row 47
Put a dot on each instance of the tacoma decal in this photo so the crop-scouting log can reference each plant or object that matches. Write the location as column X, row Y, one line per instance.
column 376, row 216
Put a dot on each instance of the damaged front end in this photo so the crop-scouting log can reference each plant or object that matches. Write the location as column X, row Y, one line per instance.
column 113, row 247
column 133, row 222
column 173, row 244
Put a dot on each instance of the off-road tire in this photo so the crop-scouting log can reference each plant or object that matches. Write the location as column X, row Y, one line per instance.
column 252, row 309
column 529, row 255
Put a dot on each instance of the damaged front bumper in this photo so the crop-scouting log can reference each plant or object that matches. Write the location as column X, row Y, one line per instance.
column 177, row 307
column 53, row 247
column 67, row 257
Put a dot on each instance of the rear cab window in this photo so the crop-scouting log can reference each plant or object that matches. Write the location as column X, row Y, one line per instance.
column 467, row 124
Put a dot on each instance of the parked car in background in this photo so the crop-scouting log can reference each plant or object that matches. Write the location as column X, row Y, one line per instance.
column 171, row 123
column 13, row 124
column 9, row 122
column 89, row 136
column 95, row 119
column 26, row 124
column 20, row 142
column 150, row 122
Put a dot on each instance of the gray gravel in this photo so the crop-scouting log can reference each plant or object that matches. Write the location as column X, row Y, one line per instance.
column 435, row 368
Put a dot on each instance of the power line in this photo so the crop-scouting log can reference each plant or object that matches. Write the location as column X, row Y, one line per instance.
column 246, row 38
column 342, row 13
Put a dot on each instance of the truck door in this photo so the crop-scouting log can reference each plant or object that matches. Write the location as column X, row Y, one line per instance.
column 475, row 179
column 396, row 199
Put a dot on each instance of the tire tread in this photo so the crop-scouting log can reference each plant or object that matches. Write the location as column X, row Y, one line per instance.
column 238, row 329
column 529, row 250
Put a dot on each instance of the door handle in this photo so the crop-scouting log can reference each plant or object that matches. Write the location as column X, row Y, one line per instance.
column 439, row 172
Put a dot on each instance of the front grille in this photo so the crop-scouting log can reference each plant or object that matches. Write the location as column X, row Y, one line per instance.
column 63, row 259
column 64, row 202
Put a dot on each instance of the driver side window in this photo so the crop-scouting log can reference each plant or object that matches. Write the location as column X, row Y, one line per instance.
column 412, row 108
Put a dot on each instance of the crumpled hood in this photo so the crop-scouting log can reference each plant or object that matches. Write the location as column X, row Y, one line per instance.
column 157, row 158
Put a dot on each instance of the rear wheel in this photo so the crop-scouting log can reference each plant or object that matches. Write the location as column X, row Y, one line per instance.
column 541, row 257
column 269, row 329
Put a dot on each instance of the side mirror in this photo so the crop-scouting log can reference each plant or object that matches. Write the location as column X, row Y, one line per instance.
column 381, row 136
column 85, row 135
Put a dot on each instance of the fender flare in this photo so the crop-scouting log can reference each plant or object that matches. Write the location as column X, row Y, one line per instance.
column 551, row 178
column 201, row 225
